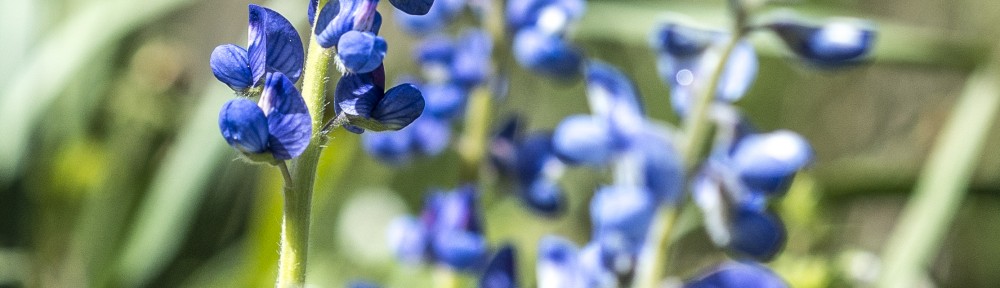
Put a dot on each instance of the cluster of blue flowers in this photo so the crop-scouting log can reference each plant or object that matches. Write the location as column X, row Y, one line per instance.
column 733, row 186
column 279, row 126
column 449, row 233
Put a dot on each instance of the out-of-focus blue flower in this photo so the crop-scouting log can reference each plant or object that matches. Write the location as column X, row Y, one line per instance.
column 687, row 55
column 583, row 139
column 550, row 15
column 662, row 169
column 546, row 54
column 557, row 265
column 501, row 272
column 756, row 234
column 768, row 162
column 830, row 44
column 471, row 63
column 612, row 96
column 444, row 100
column 538, row 170
column 279, row 124
column 361, row 98
column 435, row 19
column 598, row 265
column 274, row 46
column 622, row 209
column 737, row 275
column 449, row 231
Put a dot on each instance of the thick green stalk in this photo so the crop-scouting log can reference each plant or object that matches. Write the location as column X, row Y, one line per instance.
column 654, row 252
column 298, row 193
column 943, row 182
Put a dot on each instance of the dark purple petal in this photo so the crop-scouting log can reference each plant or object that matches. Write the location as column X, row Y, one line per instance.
column 361, row 52
column 400, row 106
column 311, row 11
column 243, row 125
column 231, row 66
column 413, row 7
column 357, row 95
column 288, row 120
column 501, row 272
column 274, row 45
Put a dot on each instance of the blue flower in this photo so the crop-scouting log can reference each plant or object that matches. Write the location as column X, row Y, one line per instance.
column 550, row 15
column 362, row 100
column 538, row 171
column 736, row 275
column 558, row 266
column 426, row 136
column 279, row 124
column 409, row 240
column 687, row 55
column 622, row 210
column 546, row 54
column 830, row 44
column 501, row 272
column 274, row 46
column 583, row 139
column 413, row 7
column 768, row 162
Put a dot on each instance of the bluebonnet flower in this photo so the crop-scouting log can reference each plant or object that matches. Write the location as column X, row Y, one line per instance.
column 529, row 161
column 274, row 46
column 687, row 54
column 426, row 136
column 557, row 265
column 767, row 162
column 449, row 231
column 361, row 99
column 737, row 274
column 501, row 272
column 552, row 15
column 352, row 27
column 279, row 124
column 834, row 43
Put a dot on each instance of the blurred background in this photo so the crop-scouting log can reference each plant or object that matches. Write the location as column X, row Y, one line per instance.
column 113, row 172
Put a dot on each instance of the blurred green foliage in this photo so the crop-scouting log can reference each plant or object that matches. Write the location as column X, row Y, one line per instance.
column 112, row 172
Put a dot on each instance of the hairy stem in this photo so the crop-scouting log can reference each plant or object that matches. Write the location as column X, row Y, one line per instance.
column 299, row 191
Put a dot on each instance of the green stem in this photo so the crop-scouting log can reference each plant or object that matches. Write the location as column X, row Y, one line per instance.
column 943, row 182
column 472, row 146
column 654, row 252
column 298, row 192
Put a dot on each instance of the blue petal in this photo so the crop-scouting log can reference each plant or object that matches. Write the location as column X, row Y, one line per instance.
column 409, row 240
column 311, row 11
column 768, row 162
column 682, row 41
column 557, row 264
column 583, row 139
column 244, row 126
column 501, row 272
column 739, row 74
column 458, row 211
column 361, row 52
column 444, row 101
column 831, row 44
column 532, row 154
column 231, row 66
column 435, row 49
column 546, row 54
column 329, row 11
column 342, row 21
column 607, row 87
column 430, row 135
column 439, row 15
column 459, row 249
column 662, row 168
column 274, row 45
column 356, row 95
column 471, row 64
column 622, row 209
column 390, row 146
column 525, row 13
column 738, row 275
column 757, row 234
column 545, row 197
column 288, row 120
column 400, row 106
column 413, row 7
